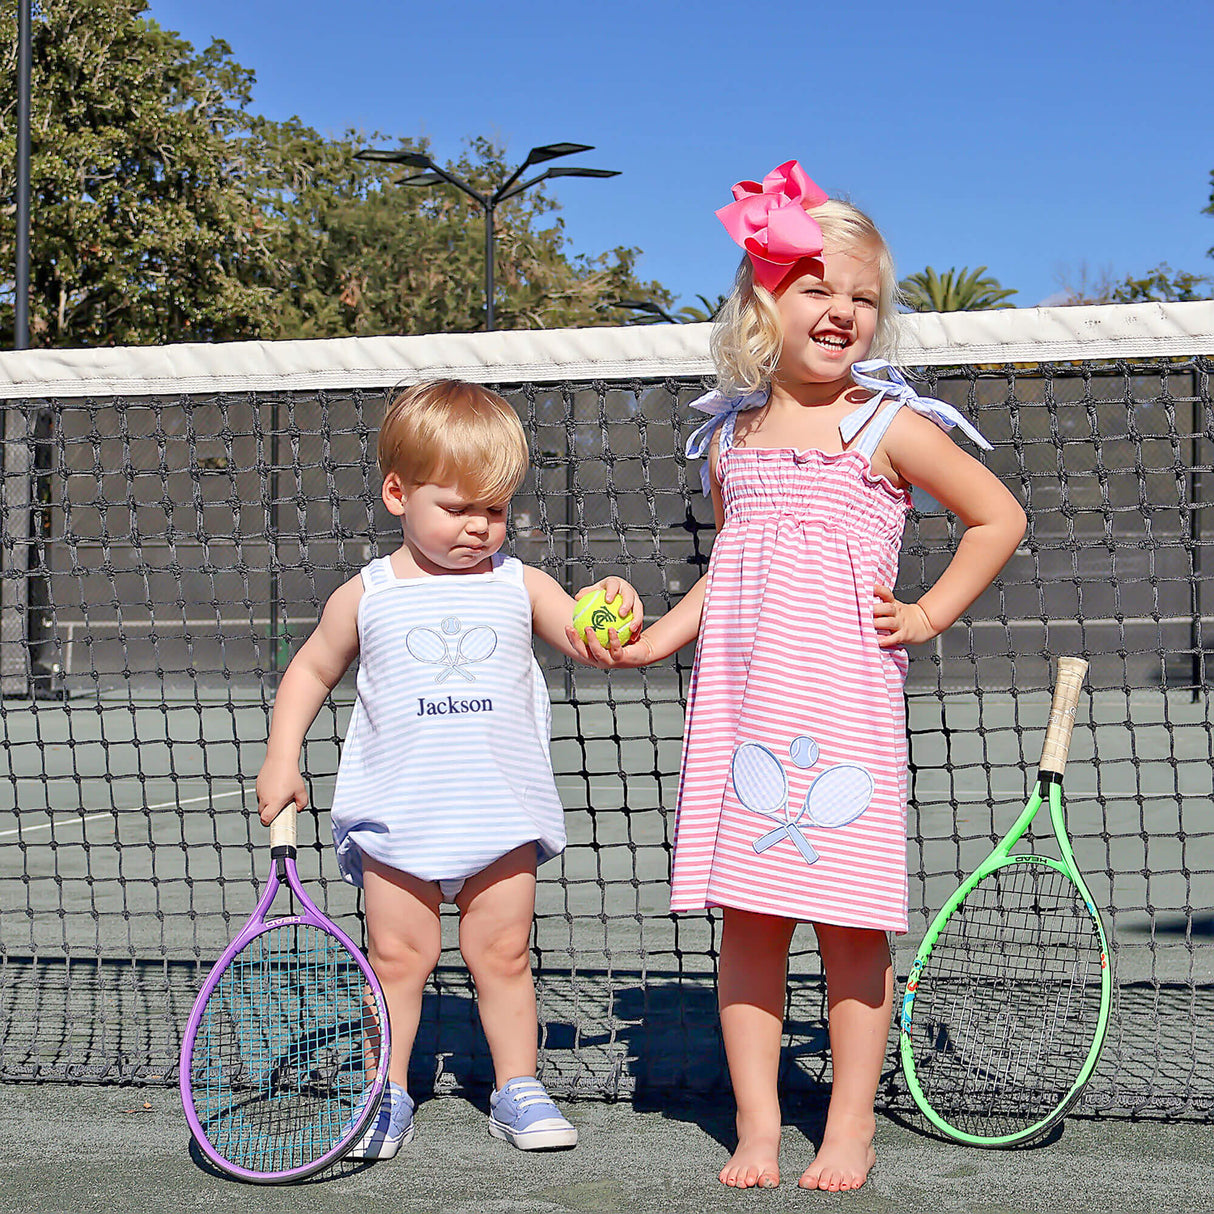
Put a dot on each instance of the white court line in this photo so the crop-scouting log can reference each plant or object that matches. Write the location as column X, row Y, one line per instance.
column 22, row 830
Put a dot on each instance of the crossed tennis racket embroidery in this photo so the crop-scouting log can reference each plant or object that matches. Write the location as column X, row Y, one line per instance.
column 434, row 648
column 837, row 797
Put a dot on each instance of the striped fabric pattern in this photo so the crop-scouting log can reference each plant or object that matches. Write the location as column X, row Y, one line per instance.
column 445, row 766
column 788, row 661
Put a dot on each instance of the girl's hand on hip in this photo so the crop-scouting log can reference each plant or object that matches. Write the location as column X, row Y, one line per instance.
column 899, row 623
column 638, row 651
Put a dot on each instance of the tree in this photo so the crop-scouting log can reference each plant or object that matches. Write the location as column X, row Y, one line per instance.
column 1162, row 285
column 1159, row 285
column 1083, row 286
column 166, row 210
column 707, row 310
column 955, row 290
column 649, row 312
column 144, row 228
column 355, row 253
column 1208, row 209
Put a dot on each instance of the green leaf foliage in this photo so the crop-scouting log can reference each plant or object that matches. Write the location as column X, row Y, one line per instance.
column 356, row 253
column 165, row 210
column 650, row 312
column 963, row 290
column 1208, row 209
column 143, row 228
column 1162, row 285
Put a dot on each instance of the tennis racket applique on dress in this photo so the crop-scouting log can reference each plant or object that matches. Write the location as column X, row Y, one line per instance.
column 285, row 1055
column 1008, row 998
column 837, row 797
column 475, row 644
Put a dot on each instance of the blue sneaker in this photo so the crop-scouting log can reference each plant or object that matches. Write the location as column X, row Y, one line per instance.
column 391, row 1129
column 523, row 1114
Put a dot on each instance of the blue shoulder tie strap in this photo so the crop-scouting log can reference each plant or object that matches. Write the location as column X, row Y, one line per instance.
column 896, row 388
column 874, row 432
column 719, row 407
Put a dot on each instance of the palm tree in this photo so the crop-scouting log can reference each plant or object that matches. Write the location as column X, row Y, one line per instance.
column 646, row 312
column 690, row 314
column 963, row 290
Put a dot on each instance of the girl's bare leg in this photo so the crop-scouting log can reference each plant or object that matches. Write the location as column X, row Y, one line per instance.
column 404, row 941
column 751, row 993
column 859, row 993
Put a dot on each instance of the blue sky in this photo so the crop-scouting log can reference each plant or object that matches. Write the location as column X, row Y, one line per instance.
column 1038, row 139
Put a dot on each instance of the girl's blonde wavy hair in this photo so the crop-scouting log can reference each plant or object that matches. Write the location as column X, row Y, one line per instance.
column 747, row 338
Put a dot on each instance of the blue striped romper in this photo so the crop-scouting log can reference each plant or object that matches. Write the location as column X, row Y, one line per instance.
column 445, row 767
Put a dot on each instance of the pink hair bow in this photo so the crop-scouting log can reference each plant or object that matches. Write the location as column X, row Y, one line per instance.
column 770, row 222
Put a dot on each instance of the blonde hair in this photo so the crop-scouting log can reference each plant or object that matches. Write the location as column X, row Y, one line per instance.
column 450, row 432
column 747, row 337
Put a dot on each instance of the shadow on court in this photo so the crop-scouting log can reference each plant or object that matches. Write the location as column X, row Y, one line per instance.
column 98, row 1149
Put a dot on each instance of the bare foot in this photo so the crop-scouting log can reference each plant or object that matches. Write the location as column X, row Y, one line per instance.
column 845, row 1158
column 755, row 1164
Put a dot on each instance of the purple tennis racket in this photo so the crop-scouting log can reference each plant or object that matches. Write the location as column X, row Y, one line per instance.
column 285, row 1056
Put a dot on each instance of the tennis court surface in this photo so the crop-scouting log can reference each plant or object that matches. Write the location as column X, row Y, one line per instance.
column 97, row 1150
column 172, row 521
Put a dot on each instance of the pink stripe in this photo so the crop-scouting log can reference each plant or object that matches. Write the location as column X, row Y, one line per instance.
column 788, row 648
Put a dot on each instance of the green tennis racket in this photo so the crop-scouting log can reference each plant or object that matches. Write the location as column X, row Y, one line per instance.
column 1008, row 999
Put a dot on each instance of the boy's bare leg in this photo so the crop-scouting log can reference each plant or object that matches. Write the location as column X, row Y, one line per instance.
column 497, row 907
column 859, row 992
column 404, row 941
column 751, row 993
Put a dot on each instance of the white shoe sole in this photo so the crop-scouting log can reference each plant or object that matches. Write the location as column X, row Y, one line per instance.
column 535, row 1140
column 383, row 1150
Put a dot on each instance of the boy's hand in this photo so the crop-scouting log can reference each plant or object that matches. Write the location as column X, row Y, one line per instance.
column 631, row 604
column 899, row 623
column 278, row 784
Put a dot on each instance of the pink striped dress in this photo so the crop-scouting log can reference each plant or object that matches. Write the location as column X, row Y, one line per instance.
column 792, row 797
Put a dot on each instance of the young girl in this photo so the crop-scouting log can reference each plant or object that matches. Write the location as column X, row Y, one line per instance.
column 792, row 804
column 445, row 790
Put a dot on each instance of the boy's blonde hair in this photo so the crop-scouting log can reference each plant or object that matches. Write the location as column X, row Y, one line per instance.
column 451, row 432
column 747, row 338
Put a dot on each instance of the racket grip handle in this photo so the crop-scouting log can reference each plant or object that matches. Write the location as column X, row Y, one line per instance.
column 1067, row 689
column 282, row 829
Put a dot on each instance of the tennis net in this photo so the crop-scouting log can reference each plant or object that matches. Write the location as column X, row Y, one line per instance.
column 174, row 518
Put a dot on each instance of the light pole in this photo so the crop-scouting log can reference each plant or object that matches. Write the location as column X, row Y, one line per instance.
column 21, row 298
column 436, row 175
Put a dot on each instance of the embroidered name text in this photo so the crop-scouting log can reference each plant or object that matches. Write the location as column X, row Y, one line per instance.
column 451, row 707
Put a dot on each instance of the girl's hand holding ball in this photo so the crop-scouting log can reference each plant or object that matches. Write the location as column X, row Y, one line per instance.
column 610, row 606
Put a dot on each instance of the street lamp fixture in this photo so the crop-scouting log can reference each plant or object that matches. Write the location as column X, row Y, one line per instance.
column 435, row 174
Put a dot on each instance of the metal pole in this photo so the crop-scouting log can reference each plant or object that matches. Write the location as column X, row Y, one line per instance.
column 488, row 267
column 21, row 302
column 570, row 401
column 277, row 627
column 1201, row 676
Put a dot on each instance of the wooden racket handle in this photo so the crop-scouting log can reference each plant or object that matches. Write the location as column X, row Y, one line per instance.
column 1067, row 689
column 282, row 829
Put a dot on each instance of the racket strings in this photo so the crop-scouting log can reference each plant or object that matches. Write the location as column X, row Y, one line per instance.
column 1008, row 1002
column 286, row 1048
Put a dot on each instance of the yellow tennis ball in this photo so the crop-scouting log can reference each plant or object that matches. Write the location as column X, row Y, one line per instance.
column 593, row 611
